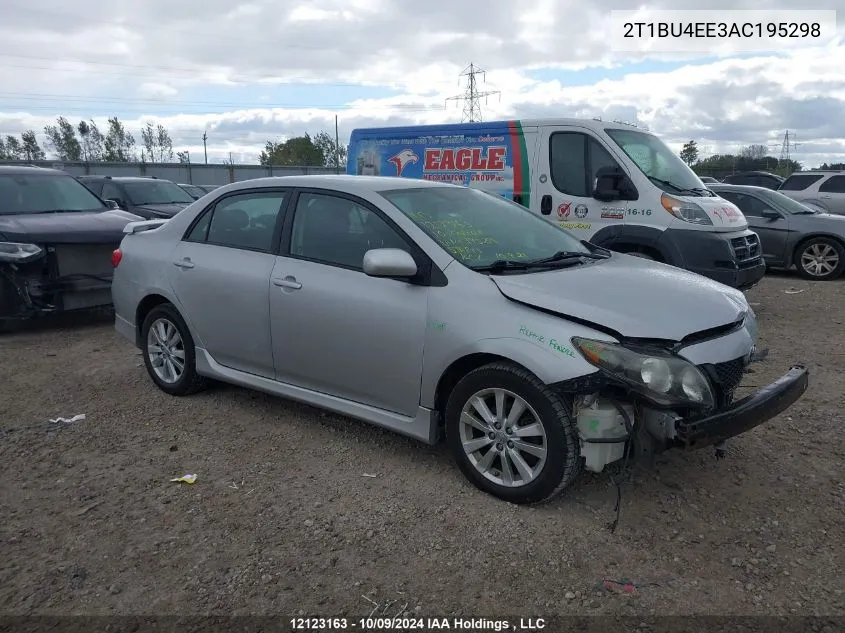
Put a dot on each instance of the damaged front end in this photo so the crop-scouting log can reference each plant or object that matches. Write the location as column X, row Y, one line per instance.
column 42, row 279
column 645, row 400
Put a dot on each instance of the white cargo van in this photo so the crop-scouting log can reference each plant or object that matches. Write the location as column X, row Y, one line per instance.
column 612, row 184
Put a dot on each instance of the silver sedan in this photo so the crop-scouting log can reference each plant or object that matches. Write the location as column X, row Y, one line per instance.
column 425, row 307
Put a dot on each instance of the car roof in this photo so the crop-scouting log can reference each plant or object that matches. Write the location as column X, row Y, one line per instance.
column 23, row 170
column 121, row 178
column 755, row 172
column 340, row 182
column 725, row 186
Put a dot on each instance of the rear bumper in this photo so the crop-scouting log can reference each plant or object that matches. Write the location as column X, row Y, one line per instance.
column 747, row 413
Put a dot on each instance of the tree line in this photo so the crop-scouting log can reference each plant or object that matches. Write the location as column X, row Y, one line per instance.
column 85, row 142
column 749, row 158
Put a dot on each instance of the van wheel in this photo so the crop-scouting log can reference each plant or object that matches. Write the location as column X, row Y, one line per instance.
column 511, row 435
column 169, row 353
column 820, row 258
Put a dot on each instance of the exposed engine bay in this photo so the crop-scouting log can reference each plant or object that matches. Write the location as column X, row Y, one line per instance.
column 62, row 277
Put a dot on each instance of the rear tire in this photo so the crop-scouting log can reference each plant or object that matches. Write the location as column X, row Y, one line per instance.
column 529, row 458
column 169, row 352
column 820, row 259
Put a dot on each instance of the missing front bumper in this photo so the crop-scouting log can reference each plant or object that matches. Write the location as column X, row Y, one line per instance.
column 746, row 413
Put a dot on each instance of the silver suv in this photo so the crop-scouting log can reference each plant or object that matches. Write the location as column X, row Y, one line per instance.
column 823, row 190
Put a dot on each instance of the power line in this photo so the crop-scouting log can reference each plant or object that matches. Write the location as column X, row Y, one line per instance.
column 472, row 97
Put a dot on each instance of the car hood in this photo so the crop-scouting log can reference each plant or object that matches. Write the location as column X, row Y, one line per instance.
column 634, row 297
column 96, row 227
column 725, row 215
column 164, row 210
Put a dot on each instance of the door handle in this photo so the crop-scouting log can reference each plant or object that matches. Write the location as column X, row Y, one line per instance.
column 184, row 263
column 546, row 205
column 825, row 197
column 287, row 282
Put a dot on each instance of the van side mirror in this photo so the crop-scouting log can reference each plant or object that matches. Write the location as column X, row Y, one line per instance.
column 389, row 262
column 613, row 184
column 770, row 214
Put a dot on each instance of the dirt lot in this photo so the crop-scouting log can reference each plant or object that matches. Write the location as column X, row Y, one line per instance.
column 283, row 520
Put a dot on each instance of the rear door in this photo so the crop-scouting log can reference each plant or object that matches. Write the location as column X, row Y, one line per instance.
column 569, row 157
column 832, row 194
column 801, row 187
column 220, row 274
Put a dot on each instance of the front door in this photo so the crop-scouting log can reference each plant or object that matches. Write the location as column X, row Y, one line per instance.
column 221, row 275
column 335, row 329
column 569, row 158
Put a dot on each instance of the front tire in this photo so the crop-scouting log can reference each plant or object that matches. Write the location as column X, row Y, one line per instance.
column 169, row 353
column 511, row 435
column 820, row 258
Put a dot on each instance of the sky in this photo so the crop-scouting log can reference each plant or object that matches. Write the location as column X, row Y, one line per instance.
column 248, row 71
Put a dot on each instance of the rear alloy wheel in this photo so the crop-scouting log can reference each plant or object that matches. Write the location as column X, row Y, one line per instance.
column 168, row 351
column 511, row 435
column 820, row 258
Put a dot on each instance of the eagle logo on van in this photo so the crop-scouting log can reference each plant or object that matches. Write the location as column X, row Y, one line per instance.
column 403, row 159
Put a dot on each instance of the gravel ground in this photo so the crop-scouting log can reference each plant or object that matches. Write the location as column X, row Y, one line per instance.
column 283, row 520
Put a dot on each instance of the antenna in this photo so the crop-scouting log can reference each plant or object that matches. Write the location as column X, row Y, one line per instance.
column 472, row 97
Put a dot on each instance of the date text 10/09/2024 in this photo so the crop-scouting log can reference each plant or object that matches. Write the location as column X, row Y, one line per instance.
column 466, row 625
column 721, row 30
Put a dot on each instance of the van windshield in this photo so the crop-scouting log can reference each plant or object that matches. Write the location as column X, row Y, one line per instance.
column 658, row 162
column 479, row 228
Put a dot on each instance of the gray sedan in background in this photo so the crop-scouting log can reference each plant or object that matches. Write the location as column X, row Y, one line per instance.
column 791, row 234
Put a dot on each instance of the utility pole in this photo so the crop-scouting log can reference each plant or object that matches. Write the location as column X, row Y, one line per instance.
column 472, row 97
column 785, row 151
column 204, row 146
column 336, row 147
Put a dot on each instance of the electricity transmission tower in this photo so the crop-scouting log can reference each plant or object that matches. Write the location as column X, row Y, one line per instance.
column 786, row 146
column 472, row 97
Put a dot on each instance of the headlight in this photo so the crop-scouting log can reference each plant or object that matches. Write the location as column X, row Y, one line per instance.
column 685, row 210
column 661, row 377
column 17, row 252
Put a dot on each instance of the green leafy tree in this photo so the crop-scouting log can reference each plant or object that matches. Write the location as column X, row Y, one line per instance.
column 333, row 154
column 689, row 153
column 92, row 141
column 157, row 143
column 119, row 144
column 296, row 151
column 30, row 148
column 14, row 149
column 61, row 139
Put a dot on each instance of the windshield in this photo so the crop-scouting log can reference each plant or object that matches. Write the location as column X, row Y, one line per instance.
column 785, row 202
column 659, row 163
column 155, row 192
column 479, row 228
column 43, row 193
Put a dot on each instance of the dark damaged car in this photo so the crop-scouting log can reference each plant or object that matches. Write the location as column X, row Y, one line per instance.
column 56, row 243
column 149, row 198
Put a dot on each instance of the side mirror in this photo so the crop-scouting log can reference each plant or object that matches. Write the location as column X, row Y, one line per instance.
column 389, row 262
column 115, row 201
column 111, row 204
column 613, row 184
column 771, row 214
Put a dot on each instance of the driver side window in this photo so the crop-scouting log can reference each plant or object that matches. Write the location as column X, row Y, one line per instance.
column 574, row 160
column 111, row 192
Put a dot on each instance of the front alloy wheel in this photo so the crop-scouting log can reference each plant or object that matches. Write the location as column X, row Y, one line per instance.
column 511, row 435
column 503, row 438
column 820, row 258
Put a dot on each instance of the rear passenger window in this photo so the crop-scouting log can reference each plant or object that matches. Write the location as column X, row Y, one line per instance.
column 245, row 220
column 799, row 182
column 834, row 184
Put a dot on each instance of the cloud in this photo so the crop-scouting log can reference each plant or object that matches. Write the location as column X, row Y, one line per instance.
column 161, row 60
